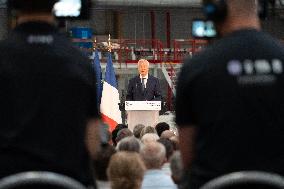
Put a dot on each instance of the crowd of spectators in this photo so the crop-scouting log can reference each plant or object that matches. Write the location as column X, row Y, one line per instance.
column 139, row 159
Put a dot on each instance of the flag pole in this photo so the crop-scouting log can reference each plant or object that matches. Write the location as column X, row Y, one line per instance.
column 109, row 43
column 95, row 44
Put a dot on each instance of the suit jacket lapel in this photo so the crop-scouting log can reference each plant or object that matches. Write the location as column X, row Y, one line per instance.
column 139, row 84
column 148, row 85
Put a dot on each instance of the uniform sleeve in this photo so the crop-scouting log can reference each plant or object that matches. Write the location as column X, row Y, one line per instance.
column 185, row 114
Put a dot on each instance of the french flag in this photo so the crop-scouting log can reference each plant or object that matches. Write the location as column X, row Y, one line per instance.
column 110, row 112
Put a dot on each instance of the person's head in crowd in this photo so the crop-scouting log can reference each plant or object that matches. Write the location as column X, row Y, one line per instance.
column 175, row 142
column 232, row 15
column 115, row 131
column 167, row 134
column 137, row 130
column 161, row 127
column 168, row 145
column 143, row 67
column 149, row 137
column 153, row 155
column 126, row 170
column 131, row 144
column 147, row 129
column 101, row 161
column 176, row 167
column 122, row 134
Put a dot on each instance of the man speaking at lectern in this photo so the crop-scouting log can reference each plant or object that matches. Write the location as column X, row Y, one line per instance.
column 143, row 87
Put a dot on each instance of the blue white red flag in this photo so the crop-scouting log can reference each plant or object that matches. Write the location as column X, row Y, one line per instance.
column 110, row 97
column 98, row 75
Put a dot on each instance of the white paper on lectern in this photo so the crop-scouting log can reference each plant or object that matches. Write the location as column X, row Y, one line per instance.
column 142, row 105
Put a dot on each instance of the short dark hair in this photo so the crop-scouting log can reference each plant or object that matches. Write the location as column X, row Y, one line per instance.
column 115, row 131
column 32, row 5
column 161, row 127
column 122, row 134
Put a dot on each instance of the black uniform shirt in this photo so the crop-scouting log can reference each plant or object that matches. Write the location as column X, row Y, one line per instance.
column 46, row 95
column 233, row 93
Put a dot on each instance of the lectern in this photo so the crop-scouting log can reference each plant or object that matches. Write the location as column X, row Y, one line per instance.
column 142, row 112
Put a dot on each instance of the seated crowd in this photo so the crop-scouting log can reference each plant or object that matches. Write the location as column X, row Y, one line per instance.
column 147, row 158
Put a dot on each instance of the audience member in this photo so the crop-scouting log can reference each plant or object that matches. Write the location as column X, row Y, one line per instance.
column 115, row 131
column 161, row 127
column 131, row 144
column 167, row 134
column 137, row 130
column 100, row 164
column 126, row 170
column 175, row 142
column 148, row 129
column 154, row 155
column 176, row 167
column 169, row 152
column 149, row 137
column 122, row 134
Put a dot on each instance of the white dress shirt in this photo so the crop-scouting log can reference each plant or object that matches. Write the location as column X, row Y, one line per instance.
column 145, row 80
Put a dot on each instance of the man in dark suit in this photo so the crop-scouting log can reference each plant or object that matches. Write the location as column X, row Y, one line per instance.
column 144, row 87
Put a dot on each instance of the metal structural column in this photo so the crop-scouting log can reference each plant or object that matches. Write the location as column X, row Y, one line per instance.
column 153, row 27
column 168, row 29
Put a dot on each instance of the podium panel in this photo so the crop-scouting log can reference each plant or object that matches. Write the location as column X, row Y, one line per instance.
column 142, row 112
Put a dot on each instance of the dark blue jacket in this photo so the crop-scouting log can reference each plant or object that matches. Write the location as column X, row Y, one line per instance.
column 151, row 93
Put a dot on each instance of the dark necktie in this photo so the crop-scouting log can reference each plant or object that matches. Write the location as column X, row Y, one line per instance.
column 143, row 84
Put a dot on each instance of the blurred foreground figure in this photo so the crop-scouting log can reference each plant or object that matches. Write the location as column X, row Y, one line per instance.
column 47, row 97
column 230, row 98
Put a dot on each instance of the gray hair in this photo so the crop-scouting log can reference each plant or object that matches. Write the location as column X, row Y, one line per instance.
column 130, row 144
column 149, row 137
column 143, row 61
column 153, row 155
column 167, row 134
column 148, row 129
column 137, row 130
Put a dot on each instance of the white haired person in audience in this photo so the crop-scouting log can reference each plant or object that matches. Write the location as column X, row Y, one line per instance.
column 131, row 144
column 149, row 137
column 154, row 156
column 167, row 134
column 148, row 129
column 126, row 170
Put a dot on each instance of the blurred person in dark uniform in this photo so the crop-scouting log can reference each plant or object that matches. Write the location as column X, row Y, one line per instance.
column 47, row 96
column 230, row 98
